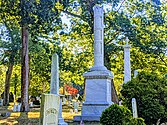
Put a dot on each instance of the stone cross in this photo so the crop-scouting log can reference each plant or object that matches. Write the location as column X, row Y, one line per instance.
column 54, row 86
column 134, row 108
column 98, row 39
column 127, row 66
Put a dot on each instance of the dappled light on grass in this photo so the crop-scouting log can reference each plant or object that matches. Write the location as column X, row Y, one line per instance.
column 69, row 116
column 31, row 117
column 15, row 114
column 33, row 114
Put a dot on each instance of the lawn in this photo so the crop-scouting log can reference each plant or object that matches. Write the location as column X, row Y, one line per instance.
column 30, row 118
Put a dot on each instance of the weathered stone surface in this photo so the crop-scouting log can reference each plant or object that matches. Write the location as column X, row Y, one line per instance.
column 54, row 85
column 98, row 80
column 134, row 108
column 127, row 66
column 50, row 104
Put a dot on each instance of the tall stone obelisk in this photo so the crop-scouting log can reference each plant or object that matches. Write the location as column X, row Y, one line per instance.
column 54, row 86
column 98, row 80
column 127, row 66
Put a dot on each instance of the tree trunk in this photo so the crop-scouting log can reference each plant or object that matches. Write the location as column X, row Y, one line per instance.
column 24, row 71
column 15, row 85
column 7, row 84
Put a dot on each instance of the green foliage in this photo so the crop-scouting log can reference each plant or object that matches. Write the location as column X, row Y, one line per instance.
column 116, row 115
column 40, row 66
column 40, row 16
column 147, row 38
column 137, row 121
column 119, row 115
column 15, row 82
column 2, row 77
column 151, row 94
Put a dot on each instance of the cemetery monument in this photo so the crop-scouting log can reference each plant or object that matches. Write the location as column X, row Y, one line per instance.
column 49, row 109
column 54, row 87
column 127, row 66
column 98, row 79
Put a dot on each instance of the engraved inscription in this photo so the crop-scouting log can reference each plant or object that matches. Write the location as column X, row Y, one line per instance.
column 51, row 111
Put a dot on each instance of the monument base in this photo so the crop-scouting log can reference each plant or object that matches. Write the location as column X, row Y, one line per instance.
column 92, row 112
column 98, row 95
column 61, row 122
column 98, row 68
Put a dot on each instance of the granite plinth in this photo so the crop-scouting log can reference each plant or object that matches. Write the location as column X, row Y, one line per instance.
column 62, row 122
column 99, row 74
column 98, row 95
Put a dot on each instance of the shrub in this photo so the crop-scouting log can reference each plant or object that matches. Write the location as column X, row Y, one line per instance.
column 137, row 121
column 150, row 92
column 116, row 115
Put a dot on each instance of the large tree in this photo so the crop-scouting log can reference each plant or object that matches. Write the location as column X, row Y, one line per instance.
column 10, row 44
column 32, row 17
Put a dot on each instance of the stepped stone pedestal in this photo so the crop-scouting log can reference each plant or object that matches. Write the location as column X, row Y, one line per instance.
column 98, row 86
column 98, row 95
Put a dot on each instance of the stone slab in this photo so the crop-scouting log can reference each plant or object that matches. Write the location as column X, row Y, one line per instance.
column 50, row 104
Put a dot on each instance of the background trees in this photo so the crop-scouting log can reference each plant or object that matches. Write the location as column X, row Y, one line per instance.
column 143, row 23
column 34, row 17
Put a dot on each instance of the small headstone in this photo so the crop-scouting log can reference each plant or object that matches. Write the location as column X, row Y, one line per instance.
column 69, row 103
column 76, row 105
column 31, row 104
column 135, row 73
column 81, row 123
column 70, row 97
column 18, row 107
column 14, row 108
column 134, row 108
column 120, row 102
column 64, row 100
column 38, row 98
column 77, row 96
column 71, row 111
column 50, row 104
column 1, row 102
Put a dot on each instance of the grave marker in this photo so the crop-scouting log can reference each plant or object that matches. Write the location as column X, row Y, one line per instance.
column 54, row 87
column 134, row 108
column 127, row 65
column 1, row 102
column 50, row 104
column 98, row 80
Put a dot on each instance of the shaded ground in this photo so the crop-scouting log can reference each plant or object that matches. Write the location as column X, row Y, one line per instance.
column 30, row 118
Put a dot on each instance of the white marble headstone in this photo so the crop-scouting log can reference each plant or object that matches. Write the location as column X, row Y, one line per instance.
column 50, row 104
column 135, row 73
column 14, row 107
column 134, row 108
column 1, row 102
column 19, row 107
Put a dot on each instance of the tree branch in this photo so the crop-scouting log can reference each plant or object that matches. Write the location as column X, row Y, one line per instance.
column 163, row 60
column 120, row 5
column 72, row 14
